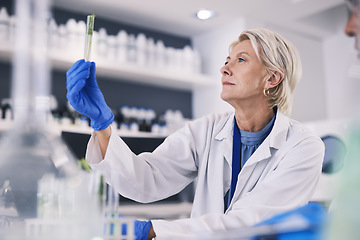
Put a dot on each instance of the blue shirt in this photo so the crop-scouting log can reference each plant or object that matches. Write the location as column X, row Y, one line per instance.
column 250, row 141
column 244, row 145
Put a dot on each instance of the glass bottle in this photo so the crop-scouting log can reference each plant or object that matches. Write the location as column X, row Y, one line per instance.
column 43, row 192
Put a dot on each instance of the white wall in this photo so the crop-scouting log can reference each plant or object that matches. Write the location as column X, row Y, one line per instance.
column 310, row 94
column 342, row 92
column 214, row 48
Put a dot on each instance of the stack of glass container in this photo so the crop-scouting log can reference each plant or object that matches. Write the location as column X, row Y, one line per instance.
column 43, row 192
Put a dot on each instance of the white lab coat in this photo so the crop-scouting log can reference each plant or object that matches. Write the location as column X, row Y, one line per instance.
column 281, row 174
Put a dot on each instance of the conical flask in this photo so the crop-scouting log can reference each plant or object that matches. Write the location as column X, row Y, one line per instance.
column 43, row 192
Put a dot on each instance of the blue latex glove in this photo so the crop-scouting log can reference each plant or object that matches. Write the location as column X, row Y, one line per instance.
column 85, row 96
column 313, row 215
column 142, row 229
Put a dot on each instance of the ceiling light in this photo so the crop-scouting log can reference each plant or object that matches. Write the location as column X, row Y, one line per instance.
column 204, row 14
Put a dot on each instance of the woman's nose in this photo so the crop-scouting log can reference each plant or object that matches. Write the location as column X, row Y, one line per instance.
column 225, row 70
column 352, row 27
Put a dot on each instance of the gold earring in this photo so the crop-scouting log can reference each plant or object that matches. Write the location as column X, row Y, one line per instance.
column 266, row 92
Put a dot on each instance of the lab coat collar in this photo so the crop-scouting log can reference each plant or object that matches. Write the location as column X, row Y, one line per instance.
column 279, row 132
column 227, row 129
column 275, row 139
column 225, row 135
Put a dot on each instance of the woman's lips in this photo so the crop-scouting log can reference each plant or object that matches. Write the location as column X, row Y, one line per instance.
column 228, row 83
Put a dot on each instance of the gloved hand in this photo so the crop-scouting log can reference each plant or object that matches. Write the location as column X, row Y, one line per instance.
column 85, row 96
column 305, row 222
column 141, row 228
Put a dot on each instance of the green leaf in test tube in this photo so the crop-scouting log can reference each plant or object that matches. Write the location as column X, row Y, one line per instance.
column 88, row 37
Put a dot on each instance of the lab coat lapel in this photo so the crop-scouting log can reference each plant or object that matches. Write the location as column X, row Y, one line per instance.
column 255, row 165
column 280, row 130
column 276, row 138
column 225, row 135
column 252, row 170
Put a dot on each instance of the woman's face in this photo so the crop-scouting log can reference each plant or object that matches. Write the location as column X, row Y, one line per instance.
column 352, row 28
column 243, row 76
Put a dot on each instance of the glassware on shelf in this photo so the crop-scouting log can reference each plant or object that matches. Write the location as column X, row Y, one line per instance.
column 122, row 41
column 112, row 48
column 141, row 56
column 102, row 44
column 131, row 49
column 43, row 192
column 4, row 25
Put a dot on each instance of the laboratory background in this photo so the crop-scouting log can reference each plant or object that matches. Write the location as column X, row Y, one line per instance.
column 158, row 65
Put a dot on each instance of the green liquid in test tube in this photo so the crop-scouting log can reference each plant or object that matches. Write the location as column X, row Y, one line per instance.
column 88, row 38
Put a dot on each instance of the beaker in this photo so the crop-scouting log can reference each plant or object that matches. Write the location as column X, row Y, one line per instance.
column 43, row 192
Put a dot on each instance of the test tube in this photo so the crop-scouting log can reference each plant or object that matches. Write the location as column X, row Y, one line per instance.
column 88, row 37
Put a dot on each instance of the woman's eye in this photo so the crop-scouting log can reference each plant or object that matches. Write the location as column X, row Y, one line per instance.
column 241, row 60
column 226, row 63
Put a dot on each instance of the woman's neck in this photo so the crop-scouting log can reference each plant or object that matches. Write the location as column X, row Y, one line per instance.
column 253, row 120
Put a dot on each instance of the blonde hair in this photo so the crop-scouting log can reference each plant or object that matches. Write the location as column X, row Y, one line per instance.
column 277, row 54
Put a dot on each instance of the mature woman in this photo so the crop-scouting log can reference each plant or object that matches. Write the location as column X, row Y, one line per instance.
column 256, row 158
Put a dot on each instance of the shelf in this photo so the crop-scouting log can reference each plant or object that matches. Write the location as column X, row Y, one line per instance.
column 5, row 52
column 88, row 130
column 59, row 128
column 5, row 125
column 173, row 79
column 170, row 211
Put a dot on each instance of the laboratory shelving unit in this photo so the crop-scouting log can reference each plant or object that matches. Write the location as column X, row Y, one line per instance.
column 58, row 128
column 174, row 79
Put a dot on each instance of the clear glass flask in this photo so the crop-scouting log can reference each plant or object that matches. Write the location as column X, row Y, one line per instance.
column 43, row 192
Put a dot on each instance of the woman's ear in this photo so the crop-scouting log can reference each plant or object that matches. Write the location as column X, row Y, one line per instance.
column 275, row 79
